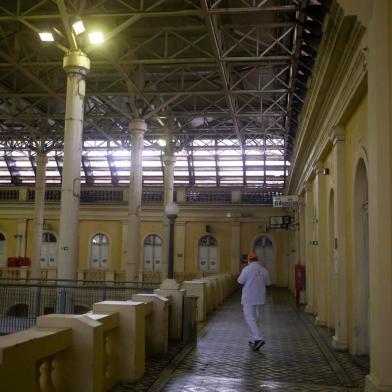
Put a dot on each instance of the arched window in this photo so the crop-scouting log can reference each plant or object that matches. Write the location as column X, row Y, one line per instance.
column 208, row 254
column 3, row 250
column 153, row 253
column 100, row 251
column 48, row 250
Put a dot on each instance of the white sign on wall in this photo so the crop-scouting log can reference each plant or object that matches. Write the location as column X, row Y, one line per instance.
column 285, row 201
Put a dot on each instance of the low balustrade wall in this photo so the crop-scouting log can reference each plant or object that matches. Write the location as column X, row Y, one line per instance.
column 92, row 351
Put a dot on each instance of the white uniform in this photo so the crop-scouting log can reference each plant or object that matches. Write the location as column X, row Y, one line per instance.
column 254, row 279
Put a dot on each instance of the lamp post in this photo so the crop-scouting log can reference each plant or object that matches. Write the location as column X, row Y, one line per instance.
column 171, row 211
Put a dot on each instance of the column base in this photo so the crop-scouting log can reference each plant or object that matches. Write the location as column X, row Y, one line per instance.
column 169, row 284
column 374, row 385
column 320, row 323
column 338, row 345
column 309, row 308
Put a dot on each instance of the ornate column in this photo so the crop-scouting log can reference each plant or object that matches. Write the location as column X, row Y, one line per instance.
column 137, row 127
column 39, row 206
column 168, row 192
column 76, row 65
column 380, row 200
column 309, row 262
column 321, row 248
column 339, row 340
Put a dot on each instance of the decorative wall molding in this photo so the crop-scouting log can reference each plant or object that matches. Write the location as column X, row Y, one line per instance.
column 344, row 77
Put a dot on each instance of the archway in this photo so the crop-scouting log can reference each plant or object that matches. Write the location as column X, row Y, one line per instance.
column 264, row 249
column 332, row 260
column 208, row 254
column 99, row 251
column 153, row 253
column 361, row 261
column 48, row 250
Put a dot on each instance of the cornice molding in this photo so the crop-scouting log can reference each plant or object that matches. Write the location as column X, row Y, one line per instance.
column 318, row 167
column 350, row 72
column 337, row 134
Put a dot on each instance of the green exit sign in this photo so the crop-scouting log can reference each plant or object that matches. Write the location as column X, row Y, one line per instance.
column 66, row 248
column 313, row 242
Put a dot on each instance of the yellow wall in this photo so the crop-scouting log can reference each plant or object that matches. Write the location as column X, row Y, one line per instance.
column 192, row 227
column 9, row 228
column 355, row 147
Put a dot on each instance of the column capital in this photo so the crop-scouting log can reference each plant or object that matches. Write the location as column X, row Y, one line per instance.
column 337, row 134
column 169, row 158
column 308, row 187
column 137, row 125
column 41, row 158
column 76, row 62
column 318, row 167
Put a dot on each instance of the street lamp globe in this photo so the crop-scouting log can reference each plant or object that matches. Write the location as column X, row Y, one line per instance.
column 171, row 210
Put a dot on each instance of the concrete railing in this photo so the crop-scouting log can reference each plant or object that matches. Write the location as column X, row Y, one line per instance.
column 93, row 351
column 211, row 291
column 85, row 353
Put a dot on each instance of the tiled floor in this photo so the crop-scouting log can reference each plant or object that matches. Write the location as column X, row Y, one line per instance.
column 296, row 357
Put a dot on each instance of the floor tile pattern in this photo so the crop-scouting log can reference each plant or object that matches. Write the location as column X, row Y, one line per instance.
column 296, row 357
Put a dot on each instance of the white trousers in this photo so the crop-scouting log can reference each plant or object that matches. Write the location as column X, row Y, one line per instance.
column 252, row 315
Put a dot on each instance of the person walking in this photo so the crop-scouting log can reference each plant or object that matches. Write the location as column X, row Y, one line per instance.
column 254, row 278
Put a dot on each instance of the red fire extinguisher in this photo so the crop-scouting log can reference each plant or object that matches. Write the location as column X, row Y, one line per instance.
column 299, row 280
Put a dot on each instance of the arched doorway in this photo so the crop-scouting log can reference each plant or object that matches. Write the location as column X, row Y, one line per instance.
column 3, row 250
column 208, row 254
column 48, row 250
column 153, row 253
column 332, row 260
column 264, row 249
column 99, row 251
column 361, row 261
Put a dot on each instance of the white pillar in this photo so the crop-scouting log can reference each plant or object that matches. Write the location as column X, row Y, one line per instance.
column 380, row 201
column 339, row 340
column 39, row 206
column 76, row 65
column 235, row 247
column 321, row 248
column 137, row 127
column 308, row 247
column 168, row 192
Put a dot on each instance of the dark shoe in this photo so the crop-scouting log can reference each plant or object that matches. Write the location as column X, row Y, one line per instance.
column 251, row 344
column 257, row 344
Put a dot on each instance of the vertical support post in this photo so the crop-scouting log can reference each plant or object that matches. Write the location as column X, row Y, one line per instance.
column 137, row 127
column 39, row 206
column 380, row 202
column 308, row 249
column 168, row 160
column 76, row 65
column 321, row 250
column 170, row 258
column 339, row 341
